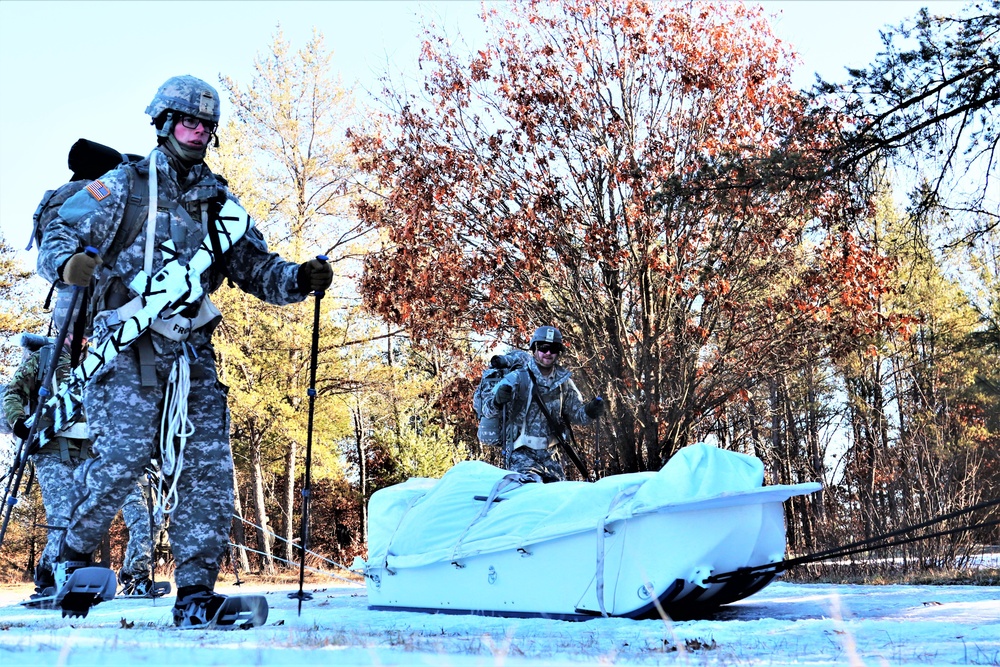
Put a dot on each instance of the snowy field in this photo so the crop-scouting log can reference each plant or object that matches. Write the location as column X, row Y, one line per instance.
column 785, row 624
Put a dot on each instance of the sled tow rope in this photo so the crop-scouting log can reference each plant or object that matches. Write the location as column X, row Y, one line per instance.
column 870, row 544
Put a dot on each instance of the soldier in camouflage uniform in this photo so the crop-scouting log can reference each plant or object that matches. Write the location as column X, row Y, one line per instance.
column 143, row 532
column 535, row 447
column 124, row 401
column 54, row 466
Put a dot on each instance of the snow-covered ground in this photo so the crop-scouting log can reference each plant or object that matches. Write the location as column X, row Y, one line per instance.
column 785, row 624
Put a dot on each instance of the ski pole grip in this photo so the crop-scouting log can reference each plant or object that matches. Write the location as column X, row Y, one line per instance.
column 320, row 293
column 91, row 251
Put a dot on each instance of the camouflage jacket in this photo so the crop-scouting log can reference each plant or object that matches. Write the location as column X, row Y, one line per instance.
column 92, row 216
column 22, row 393
column 558, row 392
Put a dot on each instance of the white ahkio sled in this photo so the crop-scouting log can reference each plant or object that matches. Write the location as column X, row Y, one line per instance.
column 482, row 540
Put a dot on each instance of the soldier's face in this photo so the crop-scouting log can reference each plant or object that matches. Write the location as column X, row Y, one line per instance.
column 196, row 138
column 546, row 355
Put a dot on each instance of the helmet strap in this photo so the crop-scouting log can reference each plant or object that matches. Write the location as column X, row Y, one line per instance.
column 168, row 126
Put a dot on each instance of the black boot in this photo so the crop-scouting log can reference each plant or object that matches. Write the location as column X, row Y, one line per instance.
column 196, row 605
column 134, row 586
column 69, row 561
column 45, row 583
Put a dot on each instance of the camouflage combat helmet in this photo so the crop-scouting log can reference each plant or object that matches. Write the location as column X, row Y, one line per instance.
column 188, row 95
column 546, row 335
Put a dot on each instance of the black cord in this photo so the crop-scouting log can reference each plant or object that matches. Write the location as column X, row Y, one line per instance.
column 870, row 544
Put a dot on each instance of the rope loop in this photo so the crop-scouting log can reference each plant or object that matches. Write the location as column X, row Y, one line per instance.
column 175, row 429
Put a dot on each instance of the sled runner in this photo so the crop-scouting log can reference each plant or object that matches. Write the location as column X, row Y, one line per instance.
column 631, row 545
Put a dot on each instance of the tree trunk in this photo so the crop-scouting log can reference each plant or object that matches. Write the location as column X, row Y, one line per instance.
column 239, row 532
column 359, row 442
column 264, row 540
column 289, row 511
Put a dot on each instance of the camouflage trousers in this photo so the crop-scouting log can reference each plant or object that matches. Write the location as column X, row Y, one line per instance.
column 135, row 514
column 124, row 419
column 543, row 462
column 55, row 479
column 60, row 493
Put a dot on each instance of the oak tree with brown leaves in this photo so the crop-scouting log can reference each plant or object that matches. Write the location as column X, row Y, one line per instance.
column 641, row 175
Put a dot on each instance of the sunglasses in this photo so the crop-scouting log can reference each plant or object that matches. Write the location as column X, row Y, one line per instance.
column 192, row 123
column 549, row 349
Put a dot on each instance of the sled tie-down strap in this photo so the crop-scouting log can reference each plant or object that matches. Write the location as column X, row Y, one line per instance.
column 620, row 498
column 388, row 544
column 508, row 481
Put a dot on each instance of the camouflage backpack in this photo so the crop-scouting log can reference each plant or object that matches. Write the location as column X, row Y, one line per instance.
column 89, row 160
column 500, row 365
column 30, row 343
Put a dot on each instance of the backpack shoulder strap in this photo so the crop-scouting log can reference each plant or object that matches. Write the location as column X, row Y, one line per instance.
column 128, row 228
column 44, row 359
column 126, row 233
column 36, row 219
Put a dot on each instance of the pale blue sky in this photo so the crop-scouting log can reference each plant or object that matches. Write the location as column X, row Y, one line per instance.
column 88, row 69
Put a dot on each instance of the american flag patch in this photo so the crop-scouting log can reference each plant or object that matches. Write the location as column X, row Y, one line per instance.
column 98, row 190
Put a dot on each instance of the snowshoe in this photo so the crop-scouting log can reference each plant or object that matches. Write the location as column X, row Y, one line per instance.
column 206, row 609
column 241, row 612
column 42, row 598
column 84, row 587
column 142, row 587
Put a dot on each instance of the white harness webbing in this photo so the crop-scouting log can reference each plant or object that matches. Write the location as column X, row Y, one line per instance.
column 78, row 430
column 523, row 439
column 154, row 206
column 175, row 429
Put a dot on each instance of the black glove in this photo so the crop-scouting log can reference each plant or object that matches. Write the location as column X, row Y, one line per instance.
column 595, row 408
column 503, row 394
column 79, row 269
column 20, row 429
column 314, row 276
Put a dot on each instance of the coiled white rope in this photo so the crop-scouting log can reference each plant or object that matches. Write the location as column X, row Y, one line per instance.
column 175, row 429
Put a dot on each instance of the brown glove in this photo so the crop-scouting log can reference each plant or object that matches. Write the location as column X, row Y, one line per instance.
column 79, row 269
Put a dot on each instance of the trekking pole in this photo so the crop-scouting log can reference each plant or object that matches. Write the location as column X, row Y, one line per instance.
column 28, row 447
column 236, row 569
column 12, row 473
column 307, row 485
column 10, row 476
column 154, row 534
column 504, row 451
column 598, row 468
